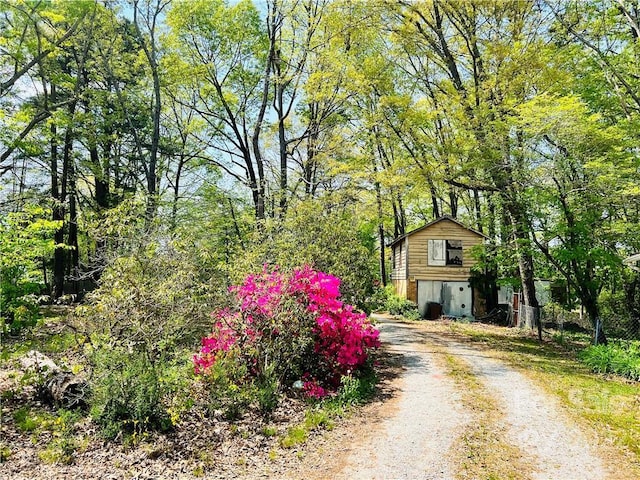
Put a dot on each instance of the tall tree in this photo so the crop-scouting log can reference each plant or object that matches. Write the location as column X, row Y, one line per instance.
column 147, row 16
column 228, row 55
column 469, row 57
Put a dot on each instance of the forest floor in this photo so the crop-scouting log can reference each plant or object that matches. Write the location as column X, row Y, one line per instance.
column 455, row 402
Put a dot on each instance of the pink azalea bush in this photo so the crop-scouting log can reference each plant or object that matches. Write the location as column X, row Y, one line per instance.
column 292, row 326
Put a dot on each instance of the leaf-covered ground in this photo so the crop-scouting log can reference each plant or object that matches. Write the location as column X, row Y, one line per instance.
column 477, row 366
column 41, row 442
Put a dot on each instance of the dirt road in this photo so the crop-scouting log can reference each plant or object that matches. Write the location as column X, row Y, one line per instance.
column 428, row 430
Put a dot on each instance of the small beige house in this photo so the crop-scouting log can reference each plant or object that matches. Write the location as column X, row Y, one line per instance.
column 432, row 265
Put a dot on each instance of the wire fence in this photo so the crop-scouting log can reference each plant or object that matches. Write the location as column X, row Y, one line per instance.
column 553, row 317
column 620, row 327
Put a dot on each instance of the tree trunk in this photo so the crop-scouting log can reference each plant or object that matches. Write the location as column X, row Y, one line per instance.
column 57, row 213
column 517, row 217
column 152, row 177
column 56, row 386
column 101, row 180
column 282, row 141
column 478, row 210
column 383, row 272
column 590, row 304
column 310, row 166
column 149, row 47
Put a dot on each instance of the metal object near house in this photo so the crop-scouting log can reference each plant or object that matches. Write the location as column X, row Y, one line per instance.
column 632, row 262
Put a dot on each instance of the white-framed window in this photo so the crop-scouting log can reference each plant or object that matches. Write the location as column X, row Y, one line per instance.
column 443, row 253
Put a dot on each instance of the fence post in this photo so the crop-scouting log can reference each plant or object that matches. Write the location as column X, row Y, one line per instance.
column 597, row 333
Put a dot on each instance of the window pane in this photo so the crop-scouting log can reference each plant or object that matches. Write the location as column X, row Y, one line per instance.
column 436, row 254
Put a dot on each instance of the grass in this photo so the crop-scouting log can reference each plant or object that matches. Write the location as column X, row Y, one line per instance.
column 63, row 445
column 28, row 420
column 5, row 453
column 607, row 405
column 296, row 435
column 618, row 357
column 41, row 339
column 269, row 431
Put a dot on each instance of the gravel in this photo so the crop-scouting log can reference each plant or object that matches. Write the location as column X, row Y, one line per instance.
column 535, row 422
column 414, row 439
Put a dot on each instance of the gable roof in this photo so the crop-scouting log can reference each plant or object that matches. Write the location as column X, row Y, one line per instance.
column 444, row 217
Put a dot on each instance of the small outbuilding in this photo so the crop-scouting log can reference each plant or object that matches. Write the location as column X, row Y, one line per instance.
column 431, row 266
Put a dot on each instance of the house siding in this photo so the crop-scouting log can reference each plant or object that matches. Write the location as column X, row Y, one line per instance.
column 400, row 287
column 418, row 252
column 410, row 257
column 400, row 271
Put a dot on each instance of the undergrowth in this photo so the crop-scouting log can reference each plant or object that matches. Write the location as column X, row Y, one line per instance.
column 324, row 413
column 619, row 357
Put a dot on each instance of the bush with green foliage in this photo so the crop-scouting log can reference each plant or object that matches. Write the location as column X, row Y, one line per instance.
column 62, row 448
column 26, row 240
column 152, row 306
column 128, row 395
column 617, row 357
column 327, row 238
column 155, row 299
column 403, row 307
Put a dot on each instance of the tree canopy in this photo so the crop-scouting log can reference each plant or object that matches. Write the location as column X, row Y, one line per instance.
column 254, row 130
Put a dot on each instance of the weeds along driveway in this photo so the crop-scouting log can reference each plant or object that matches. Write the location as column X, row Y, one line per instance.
column 460, row 414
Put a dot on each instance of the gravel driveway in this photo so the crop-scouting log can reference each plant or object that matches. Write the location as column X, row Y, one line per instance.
column 415, row 439
column 414, row 442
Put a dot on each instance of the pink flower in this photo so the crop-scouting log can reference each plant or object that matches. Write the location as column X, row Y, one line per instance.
column 312, row 388
column 273, row 306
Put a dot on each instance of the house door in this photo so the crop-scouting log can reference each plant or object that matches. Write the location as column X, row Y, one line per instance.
column 428, row 291
column 457, row 298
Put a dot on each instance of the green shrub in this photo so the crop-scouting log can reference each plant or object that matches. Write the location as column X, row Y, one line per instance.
column 152, row 306
column 360, row 389
column 267, row 392
column 319, row 234
column 400, row 306
column 318, row 418
column 20, row 311
column 25, row 420
column 157, row 299
column 620, row 358
column 295, row 436
column 5, row 453
column 128, row 396
column 323, row 414
column 229, row 391
column 63, row 444
column 26, row 237
column 62, row 448
column 379, row 298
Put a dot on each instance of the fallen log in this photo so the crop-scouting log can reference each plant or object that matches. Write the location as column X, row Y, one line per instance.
column 55, row 385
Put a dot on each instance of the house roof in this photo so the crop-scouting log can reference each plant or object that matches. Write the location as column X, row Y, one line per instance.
column 444, row 217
